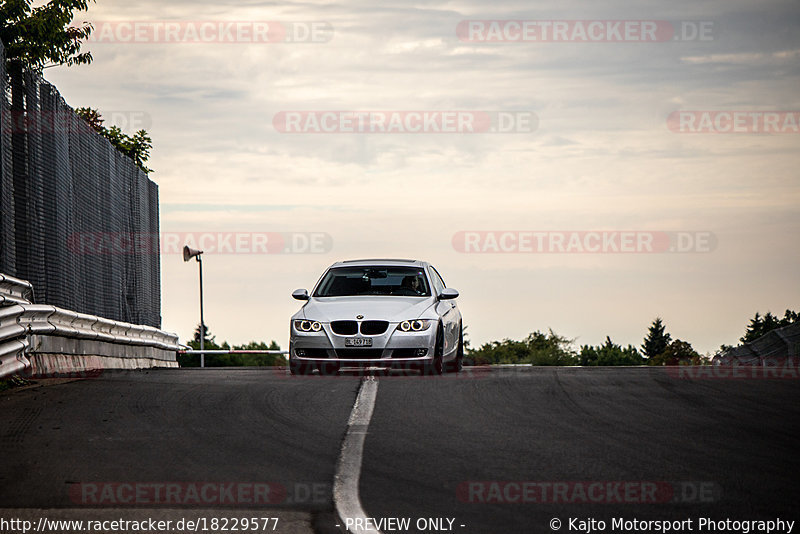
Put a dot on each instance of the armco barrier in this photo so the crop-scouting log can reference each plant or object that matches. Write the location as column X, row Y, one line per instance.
column 13, row 341
column 14, row 291
column 12, row 357
column 46, row 340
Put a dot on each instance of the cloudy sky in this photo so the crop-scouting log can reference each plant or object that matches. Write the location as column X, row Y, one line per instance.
column 599, row 155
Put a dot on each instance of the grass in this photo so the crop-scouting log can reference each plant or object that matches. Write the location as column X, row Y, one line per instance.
column 13, row 382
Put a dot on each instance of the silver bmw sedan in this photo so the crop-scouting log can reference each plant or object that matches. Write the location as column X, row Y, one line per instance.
column 377, row 313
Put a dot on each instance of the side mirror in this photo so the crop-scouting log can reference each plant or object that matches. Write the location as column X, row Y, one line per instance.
column 448, row 293
column 300, row 294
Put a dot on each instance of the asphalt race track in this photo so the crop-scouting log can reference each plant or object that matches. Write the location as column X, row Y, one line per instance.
column 500, row 450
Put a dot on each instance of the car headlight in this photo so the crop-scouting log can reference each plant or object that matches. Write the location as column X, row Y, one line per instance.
column 304, row 325
column 417, row 325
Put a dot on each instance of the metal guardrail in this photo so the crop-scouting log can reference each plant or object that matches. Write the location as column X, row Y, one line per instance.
column 50, row 320
column 779, row 344
column 19, row 319
column 232, row 351
column 13, row 341
column 15, row 291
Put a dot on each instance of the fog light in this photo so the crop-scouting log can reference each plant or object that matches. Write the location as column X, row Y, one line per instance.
column 300, row 352
column 421, row 352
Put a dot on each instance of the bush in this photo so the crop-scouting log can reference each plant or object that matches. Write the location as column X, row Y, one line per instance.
column 536, row 349
column 610, row 353
column 232, row 360
column 678, row 353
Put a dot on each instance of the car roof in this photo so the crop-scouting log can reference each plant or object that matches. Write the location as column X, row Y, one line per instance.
column 379, row 261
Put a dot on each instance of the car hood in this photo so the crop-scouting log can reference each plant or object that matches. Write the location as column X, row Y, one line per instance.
column 392, row 309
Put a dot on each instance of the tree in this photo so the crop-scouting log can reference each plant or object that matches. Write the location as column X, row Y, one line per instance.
column 657, row 339
column 678, row 353
column 537, row 349
column 37, row 37
column 465, row 335
column 209, row 342
column 137, row 147
column 258, row 345
column 609, row 354
column 760, row 325
column 231, row 360
column 258, row 360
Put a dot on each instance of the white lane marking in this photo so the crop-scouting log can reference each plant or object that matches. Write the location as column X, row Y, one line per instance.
column 348, row 469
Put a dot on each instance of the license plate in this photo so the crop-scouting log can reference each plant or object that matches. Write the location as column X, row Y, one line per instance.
column 358, row 342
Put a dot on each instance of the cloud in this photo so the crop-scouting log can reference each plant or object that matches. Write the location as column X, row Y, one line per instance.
column 600, row 156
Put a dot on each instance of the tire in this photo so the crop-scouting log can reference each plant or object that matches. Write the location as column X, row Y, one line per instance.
column 437, row 366
column 457, row 365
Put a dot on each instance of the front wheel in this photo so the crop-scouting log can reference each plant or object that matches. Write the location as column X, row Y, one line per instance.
column 437, row 366
column 458, row 364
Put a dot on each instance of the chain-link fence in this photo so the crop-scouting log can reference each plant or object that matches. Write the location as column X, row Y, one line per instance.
column 779, row 344
column 78, row 219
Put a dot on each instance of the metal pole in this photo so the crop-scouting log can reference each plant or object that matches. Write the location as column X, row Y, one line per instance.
column 202, row 323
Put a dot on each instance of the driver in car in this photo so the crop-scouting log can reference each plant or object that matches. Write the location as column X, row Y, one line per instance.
column 413, row 284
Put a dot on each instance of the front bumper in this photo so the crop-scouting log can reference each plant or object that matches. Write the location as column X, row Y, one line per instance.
column 388, row 349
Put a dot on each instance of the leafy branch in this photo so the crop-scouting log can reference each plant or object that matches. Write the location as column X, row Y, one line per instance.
column 37, row 37
column 136, row 146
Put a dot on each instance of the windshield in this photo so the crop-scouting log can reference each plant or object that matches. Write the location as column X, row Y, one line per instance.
column 372, row 280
